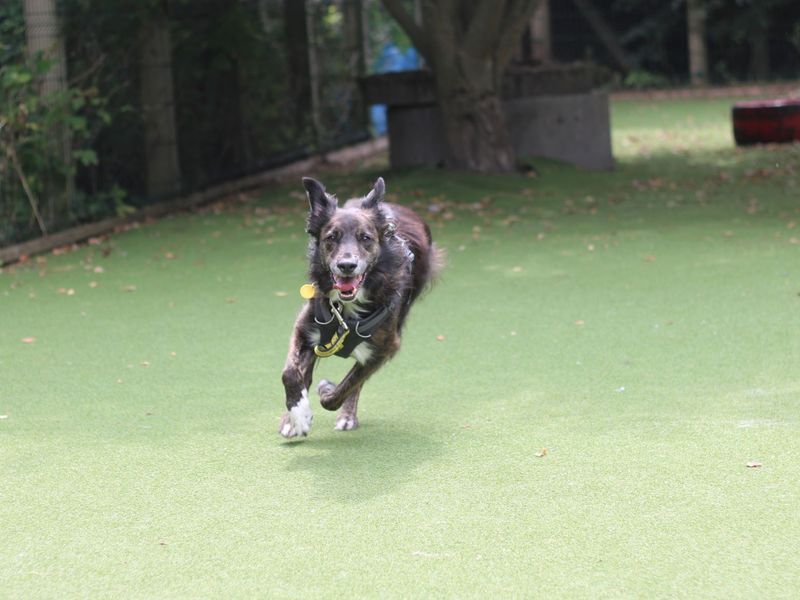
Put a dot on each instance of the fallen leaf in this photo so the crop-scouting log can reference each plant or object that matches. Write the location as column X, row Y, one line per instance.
column 230, row 299
column 517, row 270
column 439, row 338
column 98, row 269
column 28, row 340
column 169, row 255
column 281, row 294
column 541, row 453
column 728, row 234
column 579, row 322
column 70, row 292
column 649, row 258
column 3, row 417
column 145, row 363
column 92, row 284
column 129, row 288
column 753, row 464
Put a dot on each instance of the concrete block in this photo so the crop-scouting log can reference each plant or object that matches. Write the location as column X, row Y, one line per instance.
column 574, row 128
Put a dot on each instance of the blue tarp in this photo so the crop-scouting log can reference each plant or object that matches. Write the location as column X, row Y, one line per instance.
column 390, row 59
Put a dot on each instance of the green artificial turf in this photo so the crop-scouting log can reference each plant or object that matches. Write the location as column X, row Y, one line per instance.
column 640, row 325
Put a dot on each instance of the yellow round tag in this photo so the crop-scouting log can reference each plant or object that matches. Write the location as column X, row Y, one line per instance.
column 308, row 290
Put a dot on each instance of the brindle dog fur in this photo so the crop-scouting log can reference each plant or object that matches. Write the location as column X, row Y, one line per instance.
column 364, row 256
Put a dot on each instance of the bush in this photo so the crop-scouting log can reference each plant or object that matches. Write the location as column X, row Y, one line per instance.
column 44, row 140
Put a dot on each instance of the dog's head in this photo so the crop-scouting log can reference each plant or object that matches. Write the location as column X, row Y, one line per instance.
column 346, row 241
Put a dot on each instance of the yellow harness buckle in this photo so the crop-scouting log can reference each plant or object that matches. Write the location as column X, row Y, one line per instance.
column 337, row 341
column 332, row 347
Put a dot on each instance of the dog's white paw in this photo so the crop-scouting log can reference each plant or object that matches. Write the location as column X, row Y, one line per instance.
column 297, row 421
column 346, row 422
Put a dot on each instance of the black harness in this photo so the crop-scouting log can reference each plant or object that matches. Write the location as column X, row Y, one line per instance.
column 342, row 335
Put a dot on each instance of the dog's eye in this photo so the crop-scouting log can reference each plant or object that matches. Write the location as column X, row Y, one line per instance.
column 365, row 237
column 331, row 237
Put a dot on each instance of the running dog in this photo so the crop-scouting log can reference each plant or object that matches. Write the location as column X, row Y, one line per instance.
column 368, row 262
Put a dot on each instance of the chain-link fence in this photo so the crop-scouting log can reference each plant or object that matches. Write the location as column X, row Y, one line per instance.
column 109, row 105
column 164, row 98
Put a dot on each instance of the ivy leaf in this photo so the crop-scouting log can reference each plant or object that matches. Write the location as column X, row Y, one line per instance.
column 86, row 157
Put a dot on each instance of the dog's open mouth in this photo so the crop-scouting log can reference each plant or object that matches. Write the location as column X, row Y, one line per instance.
column 347, row 286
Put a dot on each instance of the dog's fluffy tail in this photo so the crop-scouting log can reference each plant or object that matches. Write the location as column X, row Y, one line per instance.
column 438, row 261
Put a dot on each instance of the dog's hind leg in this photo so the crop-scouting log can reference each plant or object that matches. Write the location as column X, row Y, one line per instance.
column 347, row 419
column 333, row 396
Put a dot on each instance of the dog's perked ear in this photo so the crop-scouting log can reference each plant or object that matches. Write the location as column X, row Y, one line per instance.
column 376, row 194
column 321, row 205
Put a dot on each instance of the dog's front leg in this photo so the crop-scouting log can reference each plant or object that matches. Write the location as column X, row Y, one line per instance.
column 297, row 373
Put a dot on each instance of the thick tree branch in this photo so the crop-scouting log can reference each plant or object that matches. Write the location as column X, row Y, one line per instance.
column 604, row 32
column 12, row 153
column 517, row 15
column 418, row 35
column 485, row 26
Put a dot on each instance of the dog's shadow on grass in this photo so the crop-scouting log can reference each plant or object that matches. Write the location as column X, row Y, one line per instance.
column 361, row 464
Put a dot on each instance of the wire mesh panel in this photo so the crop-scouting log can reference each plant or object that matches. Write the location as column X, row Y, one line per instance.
column 170, row 97
column 110, row 105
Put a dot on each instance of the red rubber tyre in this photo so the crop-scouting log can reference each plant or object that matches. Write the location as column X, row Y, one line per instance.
column 766, row 121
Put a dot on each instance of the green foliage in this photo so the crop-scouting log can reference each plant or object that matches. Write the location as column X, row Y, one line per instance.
column 794, row 36
column 44, row 140
column 644, row 80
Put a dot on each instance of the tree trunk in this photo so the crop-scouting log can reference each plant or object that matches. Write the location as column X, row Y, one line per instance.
column 320, row 140
column 356, row 57
column 473, row 123
column 759, row 54
column 299, row 69
column 43, row 34
column 696, row 31
column 158, row 108
column 468, row 46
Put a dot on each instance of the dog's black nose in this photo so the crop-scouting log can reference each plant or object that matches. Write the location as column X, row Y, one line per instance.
column 346, row 266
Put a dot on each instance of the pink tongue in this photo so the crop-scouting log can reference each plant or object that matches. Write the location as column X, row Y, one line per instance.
column 345, row 285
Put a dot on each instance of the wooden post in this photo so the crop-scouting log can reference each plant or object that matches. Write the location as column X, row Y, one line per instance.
column 696, row 32
column 158, row 107
column 541, row 44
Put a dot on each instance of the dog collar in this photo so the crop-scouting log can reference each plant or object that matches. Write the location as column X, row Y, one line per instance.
column 342, row 335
